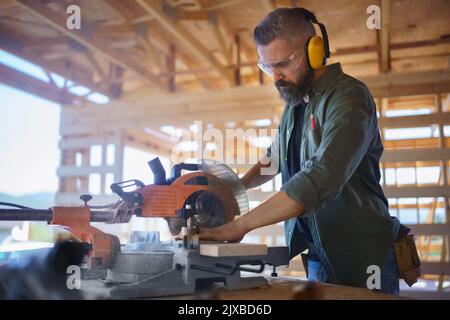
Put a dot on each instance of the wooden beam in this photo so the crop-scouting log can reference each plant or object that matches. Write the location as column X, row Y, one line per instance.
column 97, row 45
column 144, row 140
column 425, row 294
column 21, row 81
column 415, row 121
column 436, row 268
column 95, row 64
column 198, row 15
column 430, row 229
column 408, row 83
column 385, row 63
column 116, row 74
column 77, row 171
column 393, row 46
column 416, row 155
column 237, row 40
column 269, row 5
column 140, row 30
column 184, row 37
column 171, row 59
column 413, row 192
column 213, row 19
column 20, row 49
column 223, row 4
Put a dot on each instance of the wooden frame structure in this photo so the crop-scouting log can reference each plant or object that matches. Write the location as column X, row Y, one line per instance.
column 173, row 62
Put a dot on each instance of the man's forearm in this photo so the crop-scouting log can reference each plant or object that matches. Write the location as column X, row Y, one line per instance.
column 278, row 208
column 253, row 177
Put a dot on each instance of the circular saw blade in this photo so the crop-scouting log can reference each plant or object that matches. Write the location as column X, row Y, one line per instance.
column 225, row 184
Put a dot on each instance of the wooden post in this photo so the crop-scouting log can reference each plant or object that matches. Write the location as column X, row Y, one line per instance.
column 261, row 77
column 118, row 156
column 380, row 104
column 237, row 40
column 171, row 59
column 444, row 170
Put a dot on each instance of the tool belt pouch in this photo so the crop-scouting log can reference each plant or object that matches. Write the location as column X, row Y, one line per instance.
column 407, row 259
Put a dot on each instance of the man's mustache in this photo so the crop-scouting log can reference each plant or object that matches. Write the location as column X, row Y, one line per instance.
column 282, row 83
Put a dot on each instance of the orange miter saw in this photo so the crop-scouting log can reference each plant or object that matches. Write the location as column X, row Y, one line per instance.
column 208, row 195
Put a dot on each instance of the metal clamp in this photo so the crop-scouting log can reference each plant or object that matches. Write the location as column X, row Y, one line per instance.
column 227, row 269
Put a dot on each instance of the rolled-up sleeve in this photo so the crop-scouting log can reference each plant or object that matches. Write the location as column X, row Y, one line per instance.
column 350, row 121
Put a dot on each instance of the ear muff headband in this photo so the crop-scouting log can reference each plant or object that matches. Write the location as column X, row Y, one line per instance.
column 317, row 48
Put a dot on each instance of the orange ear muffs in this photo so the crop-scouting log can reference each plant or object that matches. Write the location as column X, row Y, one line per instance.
column 316, row 52
column 317, row 48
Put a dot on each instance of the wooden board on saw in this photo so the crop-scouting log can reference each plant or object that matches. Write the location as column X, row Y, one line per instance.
column 232, row 249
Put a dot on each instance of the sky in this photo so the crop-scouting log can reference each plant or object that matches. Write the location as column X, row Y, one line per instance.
column 29, row 132
column 29, row 155
column 28, row 143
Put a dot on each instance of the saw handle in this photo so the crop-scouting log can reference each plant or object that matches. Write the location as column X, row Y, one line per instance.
column 176, row 170
column 228, row 269
column 132, row 199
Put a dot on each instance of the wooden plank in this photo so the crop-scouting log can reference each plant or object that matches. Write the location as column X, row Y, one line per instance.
column 232, row 249
column 289, row 288
column 85, row 142
column 415, row 155
column 74, row 171
column 415, row 121
column 393, row 46
column 214, row 21
column 436, row 268
column 97, row 45
column 21, row 81
column 389, row 191
column 431, row 229
column 269, row 5
column 413, row 192
column 426, row 295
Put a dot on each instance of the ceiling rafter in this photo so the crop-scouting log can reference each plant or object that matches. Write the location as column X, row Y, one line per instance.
column 98, row 45
column 49, row 91
column 185, row 37
column 20, row 49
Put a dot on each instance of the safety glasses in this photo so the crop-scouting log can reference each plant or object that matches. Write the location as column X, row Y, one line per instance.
column 283, row 66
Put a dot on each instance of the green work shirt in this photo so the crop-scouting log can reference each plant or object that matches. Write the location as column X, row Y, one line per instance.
column 338, row 183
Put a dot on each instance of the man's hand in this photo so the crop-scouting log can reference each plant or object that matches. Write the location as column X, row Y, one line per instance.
column 276, row 209
column 231, row 231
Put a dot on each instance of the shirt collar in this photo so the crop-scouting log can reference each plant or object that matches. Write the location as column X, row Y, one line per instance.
column 332, row 71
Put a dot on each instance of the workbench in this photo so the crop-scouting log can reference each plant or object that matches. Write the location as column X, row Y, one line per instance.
column 290, row 288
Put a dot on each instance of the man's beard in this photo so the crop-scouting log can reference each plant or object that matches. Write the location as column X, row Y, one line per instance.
column 293, row 93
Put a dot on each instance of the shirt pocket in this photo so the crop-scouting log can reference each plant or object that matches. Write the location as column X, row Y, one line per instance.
column 313, row 141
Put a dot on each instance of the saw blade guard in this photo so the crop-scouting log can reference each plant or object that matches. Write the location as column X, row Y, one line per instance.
column 224, row 198
column 225, row 184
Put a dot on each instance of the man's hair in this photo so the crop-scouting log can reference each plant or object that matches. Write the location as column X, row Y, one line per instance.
column 284, row 23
